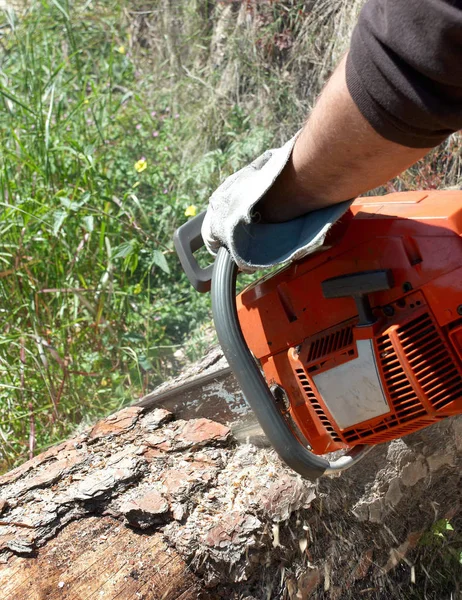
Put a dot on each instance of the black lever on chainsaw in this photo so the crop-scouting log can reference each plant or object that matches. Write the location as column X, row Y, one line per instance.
column 187, row 240
column 358, row 286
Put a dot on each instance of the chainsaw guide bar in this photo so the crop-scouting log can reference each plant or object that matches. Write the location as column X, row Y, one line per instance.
column 209, row 390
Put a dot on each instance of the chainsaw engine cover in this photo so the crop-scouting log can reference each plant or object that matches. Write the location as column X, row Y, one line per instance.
column 362, row 342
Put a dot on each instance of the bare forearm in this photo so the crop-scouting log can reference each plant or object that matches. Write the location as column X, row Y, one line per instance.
column 337, row 156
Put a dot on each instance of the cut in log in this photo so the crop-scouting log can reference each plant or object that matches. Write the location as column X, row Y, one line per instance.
column 146, row 506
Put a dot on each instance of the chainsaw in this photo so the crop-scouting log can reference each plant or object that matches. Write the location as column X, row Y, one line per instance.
column 355, row 345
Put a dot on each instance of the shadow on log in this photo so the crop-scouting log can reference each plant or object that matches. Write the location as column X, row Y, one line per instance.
column 147, row 506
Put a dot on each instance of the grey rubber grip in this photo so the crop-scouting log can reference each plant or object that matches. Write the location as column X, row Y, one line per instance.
column 249, row 377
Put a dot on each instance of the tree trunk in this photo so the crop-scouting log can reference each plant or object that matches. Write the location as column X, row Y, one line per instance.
column 146, row 506
column 95, row 557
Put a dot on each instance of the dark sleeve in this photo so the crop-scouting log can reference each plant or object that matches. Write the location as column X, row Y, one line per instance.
column 404, row 69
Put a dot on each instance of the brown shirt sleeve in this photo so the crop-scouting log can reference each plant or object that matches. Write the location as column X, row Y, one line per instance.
column 404, row 69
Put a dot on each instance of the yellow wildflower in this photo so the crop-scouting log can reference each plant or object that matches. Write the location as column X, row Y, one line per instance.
column 121, row 49
column 191, row 211
column 138, row 288
column 141, row 165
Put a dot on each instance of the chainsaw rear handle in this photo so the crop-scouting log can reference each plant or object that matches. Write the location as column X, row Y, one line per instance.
column 187, row 240
column 253, row 385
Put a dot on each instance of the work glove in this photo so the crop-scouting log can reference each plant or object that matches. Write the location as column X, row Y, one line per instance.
column 231, row 221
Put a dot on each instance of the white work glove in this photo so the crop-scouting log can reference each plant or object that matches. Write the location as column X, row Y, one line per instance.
column 254, row 245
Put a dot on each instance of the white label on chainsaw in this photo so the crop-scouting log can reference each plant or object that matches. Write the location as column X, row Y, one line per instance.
column 353, row 391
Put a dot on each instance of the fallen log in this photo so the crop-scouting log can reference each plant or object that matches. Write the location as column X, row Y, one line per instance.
column 144, row 505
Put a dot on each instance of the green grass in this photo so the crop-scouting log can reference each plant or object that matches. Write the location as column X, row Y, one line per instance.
column 94, row 180
column 88, row 310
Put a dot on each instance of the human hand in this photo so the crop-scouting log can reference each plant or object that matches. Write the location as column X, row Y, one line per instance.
column 234, row 219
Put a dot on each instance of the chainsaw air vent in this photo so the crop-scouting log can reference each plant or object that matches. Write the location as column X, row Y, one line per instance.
column 311, row 397
column 404, row 400
column 434, row 371
column 401, row 431
column 330, row 343
column 431, row 362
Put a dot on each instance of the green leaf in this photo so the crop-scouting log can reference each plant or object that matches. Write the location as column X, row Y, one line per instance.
column 58, row 219
column 89, row 223
column 131, row 262
column 15, row 99
column 69, row 204
column 159, row 259
column 145, row 363
column 441, row 526
column 60, row 8
column 125, row 249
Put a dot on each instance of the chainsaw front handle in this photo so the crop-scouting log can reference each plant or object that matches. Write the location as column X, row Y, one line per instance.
column 187, row 240
column 253, row 385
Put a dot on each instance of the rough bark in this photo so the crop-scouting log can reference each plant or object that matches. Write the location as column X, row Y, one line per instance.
column 144, row 505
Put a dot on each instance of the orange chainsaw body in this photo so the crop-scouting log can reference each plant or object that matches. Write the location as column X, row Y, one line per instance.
column 346, row 383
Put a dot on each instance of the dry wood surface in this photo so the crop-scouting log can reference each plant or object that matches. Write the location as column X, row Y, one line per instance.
column 95, row 558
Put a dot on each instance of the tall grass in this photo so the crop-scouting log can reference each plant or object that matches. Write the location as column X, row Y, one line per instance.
column 87, row 308
column 94, row 179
